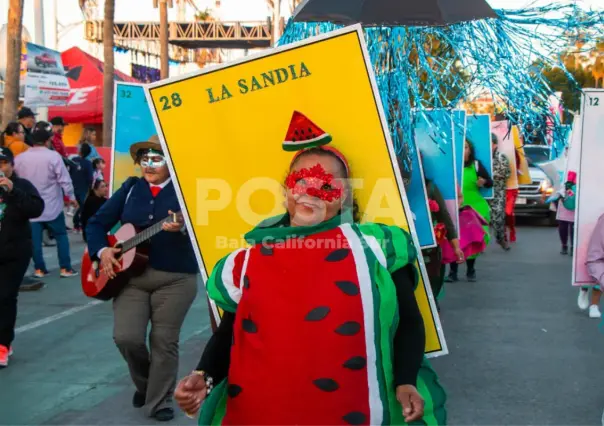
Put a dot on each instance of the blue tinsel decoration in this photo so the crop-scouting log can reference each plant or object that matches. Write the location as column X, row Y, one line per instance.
column 418, row 68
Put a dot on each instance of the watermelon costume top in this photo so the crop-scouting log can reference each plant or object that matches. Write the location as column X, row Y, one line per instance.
column 314, row 336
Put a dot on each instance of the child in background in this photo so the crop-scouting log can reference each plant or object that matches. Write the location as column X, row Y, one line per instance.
column 98, row 166
column 81, row 176
column 97, row 196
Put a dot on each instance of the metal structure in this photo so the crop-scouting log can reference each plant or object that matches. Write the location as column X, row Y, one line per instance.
column 188, row 35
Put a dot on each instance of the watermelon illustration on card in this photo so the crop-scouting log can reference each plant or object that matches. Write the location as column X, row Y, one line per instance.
column 303, row 133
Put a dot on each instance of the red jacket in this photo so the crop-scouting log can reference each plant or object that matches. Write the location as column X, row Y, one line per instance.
column 58, row 145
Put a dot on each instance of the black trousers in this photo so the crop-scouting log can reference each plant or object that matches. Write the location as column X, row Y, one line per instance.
column 12, row 272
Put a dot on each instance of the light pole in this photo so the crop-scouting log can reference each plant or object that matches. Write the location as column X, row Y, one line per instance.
column 163, row 35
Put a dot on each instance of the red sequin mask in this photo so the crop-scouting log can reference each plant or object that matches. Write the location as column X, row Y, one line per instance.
column 315, row 182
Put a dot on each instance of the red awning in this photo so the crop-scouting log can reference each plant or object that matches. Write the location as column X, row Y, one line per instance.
column 85, row 75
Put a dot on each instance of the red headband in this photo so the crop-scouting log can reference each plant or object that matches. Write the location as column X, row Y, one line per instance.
column 333, row 150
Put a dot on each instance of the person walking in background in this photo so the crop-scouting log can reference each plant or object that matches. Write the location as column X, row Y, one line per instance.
column 27, row 118
column 58, row 126
column 81, row 174
column 501, row 174
column 595, row 267
column 19, row 202
column 89, row 137
column 98, row 167
column 448, row 249
column 97, row 195
column 475, row 176
column 45, row 169
column 13, row 138
column 163, row 294
column 511, row 195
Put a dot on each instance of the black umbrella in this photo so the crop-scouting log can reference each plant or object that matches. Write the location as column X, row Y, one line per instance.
column 390, row 13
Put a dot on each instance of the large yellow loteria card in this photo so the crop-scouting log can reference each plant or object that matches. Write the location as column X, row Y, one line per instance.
column 223, row 129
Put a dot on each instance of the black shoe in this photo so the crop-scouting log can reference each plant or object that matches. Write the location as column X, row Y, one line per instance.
column 138, row 400
column 471, row 276
column 564, row 250
column 451, row 278
column 164, row 415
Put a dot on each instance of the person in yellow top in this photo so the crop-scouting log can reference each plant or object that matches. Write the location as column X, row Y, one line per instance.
column 14, row 138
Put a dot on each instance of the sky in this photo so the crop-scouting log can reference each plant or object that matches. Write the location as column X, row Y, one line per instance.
column 231, row 10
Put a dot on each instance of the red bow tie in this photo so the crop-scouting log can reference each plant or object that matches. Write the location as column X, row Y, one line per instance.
column 155, row 190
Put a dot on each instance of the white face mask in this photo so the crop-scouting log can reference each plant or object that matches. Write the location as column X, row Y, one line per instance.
column 153, row 160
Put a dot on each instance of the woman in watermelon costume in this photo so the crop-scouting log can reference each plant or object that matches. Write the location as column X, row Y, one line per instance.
column 321, row 325
column 475, row 176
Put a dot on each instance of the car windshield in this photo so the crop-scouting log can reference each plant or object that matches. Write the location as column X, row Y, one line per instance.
column 536, row 154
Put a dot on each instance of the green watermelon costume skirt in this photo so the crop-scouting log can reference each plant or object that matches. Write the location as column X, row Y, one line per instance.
column 318, row 310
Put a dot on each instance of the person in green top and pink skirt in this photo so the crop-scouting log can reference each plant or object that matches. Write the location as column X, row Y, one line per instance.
column 475, row 176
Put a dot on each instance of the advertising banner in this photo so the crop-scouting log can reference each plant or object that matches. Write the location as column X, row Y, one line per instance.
column 45, row 79
column 223, row 129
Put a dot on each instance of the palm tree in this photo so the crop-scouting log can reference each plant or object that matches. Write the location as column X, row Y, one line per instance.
column 13, row 61
column 108, row 72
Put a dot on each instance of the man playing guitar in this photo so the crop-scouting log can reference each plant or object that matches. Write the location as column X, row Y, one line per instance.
column 163, row 293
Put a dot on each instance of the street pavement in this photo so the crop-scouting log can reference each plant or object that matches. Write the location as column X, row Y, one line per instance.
column 521, row 353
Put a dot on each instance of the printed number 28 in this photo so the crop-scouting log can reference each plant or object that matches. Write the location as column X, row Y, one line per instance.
column 594, row 101
column 173, row 101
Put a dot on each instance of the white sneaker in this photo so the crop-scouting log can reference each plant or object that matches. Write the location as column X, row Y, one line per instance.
column 583, row 299
column 594, row 311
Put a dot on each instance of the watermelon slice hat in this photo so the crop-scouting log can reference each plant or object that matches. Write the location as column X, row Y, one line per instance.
column 303, row 133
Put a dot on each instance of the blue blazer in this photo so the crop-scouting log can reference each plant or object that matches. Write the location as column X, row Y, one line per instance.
column 134, row 204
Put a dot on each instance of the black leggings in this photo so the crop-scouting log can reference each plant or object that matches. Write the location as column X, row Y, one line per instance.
column 566, row 229
column 11, row 275
column 471, row 266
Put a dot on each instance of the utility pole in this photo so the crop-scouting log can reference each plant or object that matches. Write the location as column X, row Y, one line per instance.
column 163, row 36
column 39, row 39
column 277, row 22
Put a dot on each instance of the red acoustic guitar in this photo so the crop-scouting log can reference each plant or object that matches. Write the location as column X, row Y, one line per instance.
column 133, row 261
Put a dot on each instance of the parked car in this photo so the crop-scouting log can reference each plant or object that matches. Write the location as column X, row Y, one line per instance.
column 45, row 60
column 531, row 197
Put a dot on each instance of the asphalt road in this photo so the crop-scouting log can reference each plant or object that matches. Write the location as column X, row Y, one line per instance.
column 521, row 353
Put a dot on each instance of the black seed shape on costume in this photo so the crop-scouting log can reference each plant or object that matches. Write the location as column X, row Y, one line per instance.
column 266, row 250
column 234, row 390
column 317, row 314
column 326, row 385
column 355, row 418
column 249, row 326
column 337, row 255
column 293, row 139
column 348, row 287
column 356, row 363
column 246, row 282
column 349, row 328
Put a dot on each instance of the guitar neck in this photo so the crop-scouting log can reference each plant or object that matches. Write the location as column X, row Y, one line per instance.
column 145, row 235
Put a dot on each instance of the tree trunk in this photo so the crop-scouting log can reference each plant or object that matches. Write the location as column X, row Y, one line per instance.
column 163, row 39
column 108, row 73
column 13, row 62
